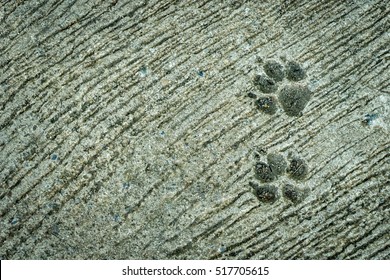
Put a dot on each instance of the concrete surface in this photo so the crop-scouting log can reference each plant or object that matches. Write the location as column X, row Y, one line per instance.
column 159, row 130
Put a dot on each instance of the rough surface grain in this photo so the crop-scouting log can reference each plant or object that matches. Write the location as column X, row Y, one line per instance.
column 129, row 129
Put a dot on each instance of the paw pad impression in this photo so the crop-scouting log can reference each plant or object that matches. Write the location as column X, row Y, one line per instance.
column 292, row 96
column 269, row 172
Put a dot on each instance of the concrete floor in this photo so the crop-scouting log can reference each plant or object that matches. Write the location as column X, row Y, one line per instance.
column 194, row 129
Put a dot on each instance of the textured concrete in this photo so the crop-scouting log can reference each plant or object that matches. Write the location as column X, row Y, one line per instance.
column 194, row 129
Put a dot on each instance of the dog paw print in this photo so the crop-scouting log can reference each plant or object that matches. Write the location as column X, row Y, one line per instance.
column 282, row 86
column 276, row 177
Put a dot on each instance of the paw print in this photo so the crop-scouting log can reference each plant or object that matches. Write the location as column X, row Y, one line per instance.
column 282, row 86
column 276, row 171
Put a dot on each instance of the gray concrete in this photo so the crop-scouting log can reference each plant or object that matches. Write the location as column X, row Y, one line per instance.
column 141, row 129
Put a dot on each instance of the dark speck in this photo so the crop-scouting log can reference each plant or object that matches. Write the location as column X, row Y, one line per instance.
column 251, row 95
column 54, row 157
column 201, row 73
column 55, row 229
column 143, row 70
column 222, row 249
column 369, row 118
